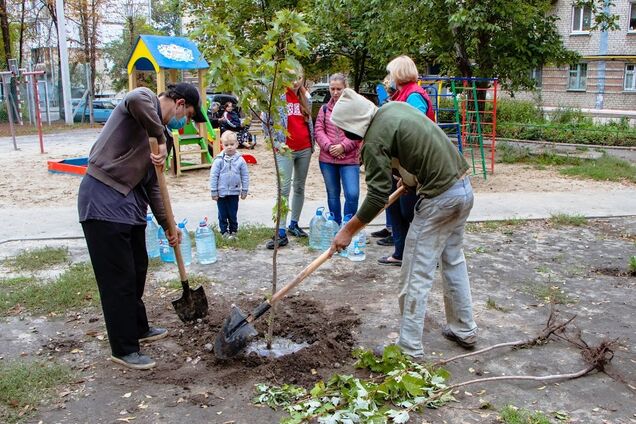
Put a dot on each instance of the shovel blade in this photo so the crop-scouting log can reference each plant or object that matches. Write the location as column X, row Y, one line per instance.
column 234, row 336
column 191, row 306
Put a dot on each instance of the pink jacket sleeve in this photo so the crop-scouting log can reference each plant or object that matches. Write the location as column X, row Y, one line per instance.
column 321, row 132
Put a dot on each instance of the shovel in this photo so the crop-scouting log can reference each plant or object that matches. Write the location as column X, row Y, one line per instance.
column 193, row 304
column 238, row 330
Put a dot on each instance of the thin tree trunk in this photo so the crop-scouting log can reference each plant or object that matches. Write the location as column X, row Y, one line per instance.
column 22, row 26
column 279, row 197
column 6, row 36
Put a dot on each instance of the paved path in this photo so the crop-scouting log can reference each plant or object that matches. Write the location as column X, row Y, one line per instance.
column 62, row 221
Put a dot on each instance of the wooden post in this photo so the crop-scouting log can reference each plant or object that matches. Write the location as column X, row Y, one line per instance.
column 161, row 81
column 132, row 80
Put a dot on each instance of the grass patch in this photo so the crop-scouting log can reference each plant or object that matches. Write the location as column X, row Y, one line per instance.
column 543, row 269
column 249, row 237
column 492, row 305
column 513, row 415
column 154, row 264
column 24, row 385
column 564, row 219
column 632, row 265
column 605, row 168
column 73, row 289
column 194, row 281
column 549, row 294
column 38, row 259
column 506, row 226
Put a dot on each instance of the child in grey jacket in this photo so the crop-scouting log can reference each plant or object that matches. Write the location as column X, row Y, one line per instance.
column 229, row 178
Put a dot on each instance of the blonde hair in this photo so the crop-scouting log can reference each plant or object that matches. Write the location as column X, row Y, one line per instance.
column 302, row 93
column 229, row 136
column 402, row 70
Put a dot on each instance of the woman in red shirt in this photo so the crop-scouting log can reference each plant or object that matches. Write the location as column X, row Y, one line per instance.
column 294, row 152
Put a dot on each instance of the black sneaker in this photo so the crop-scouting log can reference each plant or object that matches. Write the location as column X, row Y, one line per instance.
column 297, row 232
column 381, row 234
column 154, row 333
column 282, row 241
column 467, row 343
column 386, row 241
column 135, row 360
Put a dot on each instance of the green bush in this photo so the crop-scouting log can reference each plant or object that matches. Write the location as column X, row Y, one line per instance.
column 523, row 111
column 522, row 120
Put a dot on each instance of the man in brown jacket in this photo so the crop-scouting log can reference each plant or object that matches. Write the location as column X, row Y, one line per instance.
column 113, row 201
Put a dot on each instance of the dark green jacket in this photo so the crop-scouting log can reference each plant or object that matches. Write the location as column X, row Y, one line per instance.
column 400, row 137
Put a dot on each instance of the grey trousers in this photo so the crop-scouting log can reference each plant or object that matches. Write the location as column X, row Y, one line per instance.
column 436, row 234
column 293, row 170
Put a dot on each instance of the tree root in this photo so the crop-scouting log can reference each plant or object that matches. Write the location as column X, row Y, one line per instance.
column 551, row 328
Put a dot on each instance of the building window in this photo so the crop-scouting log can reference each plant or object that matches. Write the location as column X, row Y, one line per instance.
column 578, row 77
column 537, row 75
column 581, row 19
column 632, row 17
column 630, row 77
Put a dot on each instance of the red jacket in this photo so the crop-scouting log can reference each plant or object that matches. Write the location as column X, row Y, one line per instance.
column 410, row 88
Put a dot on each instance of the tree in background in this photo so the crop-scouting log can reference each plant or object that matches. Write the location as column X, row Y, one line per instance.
column 166, row 16
column 259, row 80
column 246, row 20
column 118, row 51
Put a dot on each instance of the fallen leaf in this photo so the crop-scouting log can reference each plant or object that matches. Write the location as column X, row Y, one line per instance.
column 64, row 393
column 126, row 419
column 313, row 372
column 142, row 406
column 127, row 395
column 471, row 370
column 541, row 388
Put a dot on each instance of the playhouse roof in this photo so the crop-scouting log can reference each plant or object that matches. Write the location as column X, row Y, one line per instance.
column 154, row 52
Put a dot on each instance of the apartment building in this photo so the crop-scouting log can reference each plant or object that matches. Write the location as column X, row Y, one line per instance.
column 604, row 81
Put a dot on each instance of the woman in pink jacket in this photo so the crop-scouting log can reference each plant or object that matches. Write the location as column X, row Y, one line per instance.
column 339, row 161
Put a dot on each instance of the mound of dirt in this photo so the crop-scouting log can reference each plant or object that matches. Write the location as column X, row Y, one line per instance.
column 328, row 332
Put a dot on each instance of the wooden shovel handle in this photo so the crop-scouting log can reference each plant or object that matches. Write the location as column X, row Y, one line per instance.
column 161, row 178
column 324, row 256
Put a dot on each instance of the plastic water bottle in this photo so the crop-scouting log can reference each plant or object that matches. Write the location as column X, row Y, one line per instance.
column 186, row 244
column 315, row 229
column 206, row 244
column 345, row 252
column 166, row 252
column 329, row 230
column 152, row 242
column 356, row 250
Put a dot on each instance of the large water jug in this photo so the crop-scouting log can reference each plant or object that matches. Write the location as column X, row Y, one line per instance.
column 345, row 252
column 329, row 230
column 186, row 244
column 206, row 244
column 356, row 250
column 166, row 252
column 152, row 242
column 315, row 229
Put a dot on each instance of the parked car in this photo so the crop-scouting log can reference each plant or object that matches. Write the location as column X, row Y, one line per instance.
column 102, row 109
column 320, row 96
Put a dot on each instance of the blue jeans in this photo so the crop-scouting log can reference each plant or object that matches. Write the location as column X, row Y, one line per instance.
column 401, row 214
column 436, row 234
column 349, row 176
column 228, row 208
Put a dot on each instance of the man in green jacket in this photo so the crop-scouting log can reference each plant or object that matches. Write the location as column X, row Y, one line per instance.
column 398, row 137
column 113, row 200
